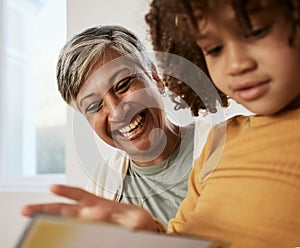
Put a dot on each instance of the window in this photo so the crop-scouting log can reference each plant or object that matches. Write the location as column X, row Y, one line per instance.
column 32, row 113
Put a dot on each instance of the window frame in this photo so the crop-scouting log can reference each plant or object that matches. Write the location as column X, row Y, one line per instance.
column 36, row 183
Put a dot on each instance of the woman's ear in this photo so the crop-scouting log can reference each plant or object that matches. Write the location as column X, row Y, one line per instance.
column 160, row 83
column 154, row 73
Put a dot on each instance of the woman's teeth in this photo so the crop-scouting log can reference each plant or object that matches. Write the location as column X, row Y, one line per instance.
column 126, row 131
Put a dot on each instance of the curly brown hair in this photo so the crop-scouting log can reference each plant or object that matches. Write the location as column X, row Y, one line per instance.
column 199, row 9
column 170, row 33
column 172, row 24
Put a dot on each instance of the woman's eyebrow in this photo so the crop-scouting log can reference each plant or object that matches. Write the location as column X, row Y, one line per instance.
column 116, row 74
column 84, row 98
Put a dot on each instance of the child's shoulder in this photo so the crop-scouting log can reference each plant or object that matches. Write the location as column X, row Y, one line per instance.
column 231, row 127
column 241, row 123
column 237, row 120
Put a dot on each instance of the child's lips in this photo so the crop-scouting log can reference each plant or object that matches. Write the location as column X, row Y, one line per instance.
column 252, row 91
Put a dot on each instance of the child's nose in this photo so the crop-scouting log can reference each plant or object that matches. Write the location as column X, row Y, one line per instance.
column 239, row 60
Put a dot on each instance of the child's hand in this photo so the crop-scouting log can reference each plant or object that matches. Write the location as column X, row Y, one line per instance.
column 91, row 207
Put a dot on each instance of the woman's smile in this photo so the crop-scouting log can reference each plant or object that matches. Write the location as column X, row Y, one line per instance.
column 135, row 127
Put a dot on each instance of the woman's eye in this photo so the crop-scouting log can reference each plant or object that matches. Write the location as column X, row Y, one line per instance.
column 123, row 85
column 257, row 33
column 94, row 107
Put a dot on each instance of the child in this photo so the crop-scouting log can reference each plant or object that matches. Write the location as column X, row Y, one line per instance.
column 250, row 195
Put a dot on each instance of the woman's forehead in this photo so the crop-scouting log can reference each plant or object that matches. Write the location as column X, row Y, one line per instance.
column 106, row 68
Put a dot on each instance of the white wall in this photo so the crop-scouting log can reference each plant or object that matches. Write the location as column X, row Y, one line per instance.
column 81, row 14
column 129, row 14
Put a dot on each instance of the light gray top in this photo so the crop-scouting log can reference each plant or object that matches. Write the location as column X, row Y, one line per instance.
column 161, row 188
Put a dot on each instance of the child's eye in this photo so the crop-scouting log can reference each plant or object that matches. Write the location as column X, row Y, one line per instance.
column 123, row 85
column 258, row 33
column 213, row 51
column 94, row 107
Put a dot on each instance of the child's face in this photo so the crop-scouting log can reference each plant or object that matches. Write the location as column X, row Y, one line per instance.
column 258, row 69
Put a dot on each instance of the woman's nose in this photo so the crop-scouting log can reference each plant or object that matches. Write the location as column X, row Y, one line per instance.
column 115, row 107
column 238, row 60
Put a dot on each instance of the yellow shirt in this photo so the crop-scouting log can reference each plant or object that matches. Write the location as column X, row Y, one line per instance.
column 248, row 192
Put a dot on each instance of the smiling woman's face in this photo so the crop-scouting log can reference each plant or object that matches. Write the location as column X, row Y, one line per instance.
column 122, row 104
